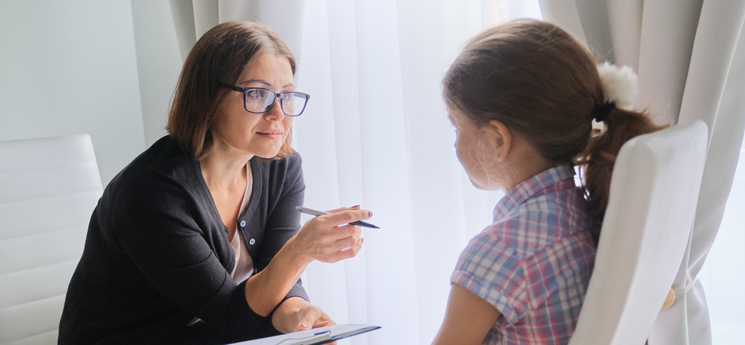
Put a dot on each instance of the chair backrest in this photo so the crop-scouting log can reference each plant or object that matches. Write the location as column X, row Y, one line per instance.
column 48, row 190
column 653, row 195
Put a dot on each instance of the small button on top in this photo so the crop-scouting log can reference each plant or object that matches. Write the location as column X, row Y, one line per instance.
column 252, row 241
column 243, row 223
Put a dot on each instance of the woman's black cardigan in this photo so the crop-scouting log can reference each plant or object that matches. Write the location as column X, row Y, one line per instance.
column 157, row 252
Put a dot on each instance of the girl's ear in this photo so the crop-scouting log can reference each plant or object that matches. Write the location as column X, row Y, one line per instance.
column 501, row 136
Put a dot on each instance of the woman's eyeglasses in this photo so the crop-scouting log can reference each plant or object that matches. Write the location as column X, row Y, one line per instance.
column 259, row 100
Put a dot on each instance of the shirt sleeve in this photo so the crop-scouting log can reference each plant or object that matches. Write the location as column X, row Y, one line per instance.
column 155, row 224
column 491, row 270
column 515, row 283
column 283, row 221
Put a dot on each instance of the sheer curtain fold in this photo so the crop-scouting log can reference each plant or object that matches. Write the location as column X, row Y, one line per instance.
column 723, row 152
column 437, row 203
column 654, row 37
column 317, row 144
column 665, row 46
column 192, row 18
column 713, row 93
column 627, row 14
column 565, row 14
column 206, row 15
column 391, row 295
column 690, row 66
column 182, row 13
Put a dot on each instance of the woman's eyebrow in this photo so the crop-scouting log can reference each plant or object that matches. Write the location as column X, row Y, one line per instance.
column 257, row 81
column 264, row 82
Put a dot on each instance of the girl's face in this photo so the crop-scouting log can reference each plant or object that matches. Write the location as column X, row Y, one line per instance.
column 476, row 154
column 257, row 134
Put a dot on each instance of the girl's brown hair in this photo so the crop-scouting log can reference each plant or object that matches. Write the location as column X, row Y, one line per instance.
column 217, row 58
column 539, row 81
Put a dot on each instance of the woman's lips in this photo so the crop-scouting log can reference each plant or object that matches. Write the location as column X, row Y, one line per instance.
column 272, row 133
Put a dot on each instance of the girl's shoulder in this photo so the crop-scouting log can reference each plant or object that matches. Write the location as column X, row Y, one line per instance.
column 540, row 222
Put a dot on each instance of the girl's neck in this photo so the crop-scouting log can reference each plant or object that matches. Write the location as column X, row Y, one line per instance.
column 523, row 173
column 524, row 162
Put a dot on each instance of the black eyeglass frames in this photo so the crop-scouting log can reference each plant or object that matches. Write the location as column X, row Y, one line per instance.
column 259, row 100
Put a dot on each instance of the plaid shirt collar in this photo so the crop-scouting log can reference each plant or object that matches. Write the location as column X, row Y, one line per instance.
column 526, row 189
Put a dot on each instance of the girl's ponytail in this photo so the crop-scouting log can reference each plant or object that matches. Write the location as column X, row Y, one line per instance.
column 598, row 159
column 620, row 125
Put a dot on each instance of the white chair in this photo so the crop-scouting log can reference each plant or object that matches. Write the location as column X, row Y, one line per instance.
column 48, row 190
column 653, row 196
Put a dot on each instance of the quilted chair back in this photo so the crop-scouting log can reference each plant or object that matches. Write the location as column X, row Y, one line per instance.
column 48, row 190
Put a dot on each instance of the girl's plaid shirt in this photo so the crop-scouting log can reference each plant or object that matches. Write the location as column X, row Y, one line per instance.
column 534, row 263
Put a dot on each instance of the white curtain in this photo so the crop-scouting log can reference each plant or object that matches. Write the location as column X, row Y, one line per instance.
column 376, row 133
column 192, row 18
column 690, row 57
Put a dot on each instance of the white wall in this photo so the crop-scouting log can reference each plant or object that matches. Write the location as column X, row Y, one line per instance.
column 70, row 67
column 159, row 63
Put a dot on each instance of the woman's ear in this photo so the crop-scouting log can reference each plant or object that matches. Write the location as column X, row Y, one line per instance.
column 501, row 137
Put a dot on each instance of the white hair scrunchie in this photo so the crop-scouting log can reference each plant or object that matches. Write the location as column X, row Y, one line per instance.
column 620, row 85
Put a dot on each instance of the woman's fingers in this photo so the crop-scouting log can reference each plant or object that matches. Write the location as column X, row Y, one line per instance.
column 347, row 231
column 309, row 315
column 342, row 249
column 355, row 207
column 347, row 253
column 328, row 234
column 322, row 321
column 347, row 216
column 346, row 242
column 331, row 238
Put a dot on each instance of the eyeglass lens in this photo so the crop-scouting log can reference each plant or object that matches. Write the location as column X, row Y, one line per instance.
column 261, row 100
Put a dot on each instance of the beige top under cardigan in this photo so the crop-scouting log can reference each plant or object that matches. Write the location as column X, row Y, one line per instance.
column 244, row 266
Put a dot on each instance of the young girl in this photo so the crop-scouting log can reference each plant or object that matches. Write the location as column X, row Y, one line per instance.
column 523, row 97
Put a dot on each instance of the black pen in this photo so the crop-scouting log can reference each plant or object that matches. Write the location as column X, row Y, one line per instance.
column 313, row 212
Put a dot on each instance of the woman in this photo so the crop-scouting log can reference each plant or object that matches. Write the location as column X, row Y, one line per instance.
column 177, row 233
column 523, row 97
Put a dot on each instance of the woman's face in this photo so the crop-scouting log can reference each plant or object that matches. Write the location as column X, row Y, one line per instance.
column 257, row 134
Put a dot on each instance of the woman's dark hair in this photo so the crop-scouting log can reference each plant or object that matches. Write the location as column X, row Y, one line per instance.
column 539, row 81
column 217, row 58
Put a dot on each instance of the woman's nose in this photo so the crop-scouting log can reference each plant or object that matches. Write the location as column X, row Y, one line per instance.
column 276, row 113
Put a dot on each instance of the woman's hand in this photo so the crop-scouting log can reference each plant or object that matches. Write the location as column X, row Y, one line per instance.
column 323, row 239
column 296, row 314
